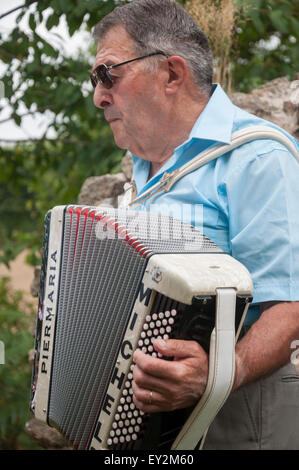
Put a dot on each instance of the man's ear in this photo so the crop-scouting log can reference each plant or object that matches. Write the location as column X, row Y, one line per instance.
column 177, row 74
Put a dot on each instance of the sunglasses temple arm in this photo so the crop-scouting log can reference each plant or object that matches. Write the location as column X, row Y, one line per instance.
column 138, row 58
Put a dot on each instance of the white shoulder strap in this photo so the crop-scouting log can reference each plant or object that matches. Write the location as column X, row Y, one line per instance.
column 221, row 373
column 238, row 138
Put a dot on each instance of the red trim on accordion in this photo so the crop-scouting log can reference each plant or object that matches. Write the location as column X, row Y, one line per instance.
column 134, row 242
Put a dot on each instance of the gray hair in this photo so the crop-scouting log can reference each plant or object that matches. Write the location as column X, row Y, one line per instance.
column 163, row 25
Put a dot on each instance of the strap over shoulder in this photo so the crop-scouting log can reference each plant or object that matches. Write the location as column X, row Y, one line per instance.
column 239, row 138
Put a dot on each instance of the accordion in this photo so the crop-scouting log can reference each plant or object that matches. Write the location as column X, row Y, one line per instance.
column 112, row 280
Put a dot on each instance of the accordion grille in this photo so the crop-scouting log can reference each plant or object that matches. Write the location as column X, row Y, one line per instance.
column 91, row 306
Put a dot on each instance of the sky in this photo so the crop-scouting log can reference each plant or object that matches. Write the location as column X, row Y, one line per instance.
column 32, row 127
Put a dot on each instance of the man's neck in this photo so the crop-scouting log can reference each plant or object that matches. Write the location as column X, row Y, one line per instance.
column 178, row 132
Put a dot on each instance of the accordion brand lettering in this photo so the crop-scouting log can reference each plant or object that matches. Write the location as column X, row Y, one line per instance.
column 125, row 356
column 48, row 314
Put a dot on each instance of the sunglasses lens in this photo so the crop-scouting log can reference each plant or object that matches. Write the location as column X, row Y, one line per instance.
column 101, row 74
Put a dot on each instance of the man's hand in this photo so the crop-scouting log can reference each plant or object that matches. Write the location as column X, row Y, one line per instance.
column 162, row 385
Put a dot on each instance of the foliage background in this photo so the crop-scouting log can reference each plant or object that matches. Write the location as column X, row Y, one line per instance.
column 36, row 174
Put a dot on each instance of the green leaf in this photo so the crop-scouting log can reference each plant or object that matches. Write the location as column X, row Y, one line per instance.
column 258, row 24
column 279, row 21
column 32, row 22
column 53, row 20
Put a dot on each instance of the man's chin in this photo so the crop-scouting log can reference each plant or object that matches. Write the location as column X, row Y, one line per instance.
column 120, row 140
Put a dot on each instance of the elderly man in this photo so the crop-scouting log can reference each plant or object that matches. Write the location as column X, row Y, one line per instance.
column 153, row 79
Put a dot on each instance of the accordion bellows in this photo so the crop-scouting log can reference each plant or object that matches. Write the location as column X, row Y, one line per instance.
column 111, row 281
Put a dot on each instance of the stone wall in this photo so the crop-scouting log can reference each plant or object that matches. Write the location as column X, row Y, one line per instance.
column 277, row 101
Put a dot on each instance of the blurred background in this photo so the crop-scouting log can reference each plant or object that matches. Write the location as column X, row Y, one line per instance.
column 52, row 137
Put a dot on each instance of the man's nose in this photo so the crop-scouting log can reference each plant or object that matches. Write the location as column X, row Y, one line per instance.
column 102, row 97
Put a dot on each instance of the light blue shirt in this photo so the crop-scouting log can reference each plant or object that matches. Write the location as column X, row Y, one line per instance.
column 246, row 201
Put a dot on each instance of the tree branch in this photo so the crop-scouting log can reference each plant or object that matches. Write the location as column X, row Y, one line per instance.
column 11, row 11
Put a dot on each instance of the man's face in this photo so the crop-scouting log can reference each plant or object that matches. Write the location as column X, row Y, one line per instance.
column 133, row 106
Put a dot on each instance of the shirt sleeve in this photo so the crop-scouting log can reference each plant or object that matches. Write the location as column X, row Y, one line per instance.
column 263, row 212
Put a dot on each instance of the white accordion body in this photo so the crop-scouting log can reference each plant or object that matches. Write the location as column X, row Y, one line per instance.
column 112, row 281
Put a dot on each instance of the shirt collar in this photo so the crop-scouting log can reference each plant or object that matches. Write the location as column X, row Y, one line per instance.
column 214, row 125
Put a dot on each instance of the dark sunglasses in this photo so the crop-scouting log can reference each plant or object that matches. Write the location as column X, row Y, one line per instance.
column 101, row 72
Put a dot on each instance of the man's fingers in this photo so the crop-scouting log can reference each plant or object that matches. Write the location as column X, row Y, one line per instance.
column 161, row 384
column 151, row 369
column 147, row 397
column 179, row 349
